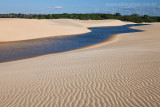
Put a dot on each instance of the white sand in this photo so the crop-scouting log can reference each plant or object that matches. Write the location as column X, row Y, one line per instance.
column 22, row 29
column 122, row 73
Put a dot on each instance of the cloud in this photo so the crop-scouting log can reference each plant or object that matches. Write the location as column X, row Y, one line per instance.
column 58, row 7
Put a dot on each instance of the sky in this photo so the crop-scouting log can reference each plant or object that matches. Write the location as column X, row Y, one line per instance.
column 125, row 7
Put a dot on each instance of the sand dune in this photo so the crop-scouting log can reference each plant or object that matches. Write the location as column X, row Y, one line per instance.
column 23, row 29
column 122, row 73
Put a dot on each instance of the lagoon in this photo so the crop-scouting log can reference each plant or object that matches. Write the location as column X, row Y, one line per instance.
column 11, row 51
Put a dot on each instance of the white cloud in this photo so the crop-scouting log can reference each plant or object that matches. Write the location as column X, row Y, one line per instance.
column 58, row 7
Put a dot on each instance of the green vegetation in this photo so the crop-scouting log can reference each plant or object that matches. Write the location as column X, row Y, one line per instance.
column 133, row 18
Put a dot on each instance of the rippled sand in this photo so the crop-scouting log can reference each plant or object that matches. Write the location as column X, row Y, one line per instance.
column 124, row 72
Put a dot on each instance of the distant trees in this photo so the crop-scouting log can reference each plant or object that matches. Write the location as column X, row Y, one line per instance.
column 117, row 14
column 133, row 18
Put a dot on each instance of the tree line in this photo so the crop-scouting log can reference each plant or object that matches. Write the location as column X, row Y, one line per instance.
column 132, row 18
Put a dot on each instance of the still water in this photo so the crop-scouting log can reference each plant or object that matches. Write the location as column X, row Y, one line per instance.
column 10, row 51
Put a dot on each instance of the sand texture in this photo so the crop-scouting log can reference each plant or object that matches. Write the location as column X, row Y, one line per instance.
column 124, row 72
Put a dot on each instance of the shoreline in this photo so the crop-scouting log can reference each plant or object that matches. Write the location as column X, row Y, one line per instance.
column 110, row 39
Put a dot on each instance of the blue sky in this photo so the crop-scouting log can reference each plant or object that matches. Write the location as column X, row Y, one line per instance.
column 149, row 7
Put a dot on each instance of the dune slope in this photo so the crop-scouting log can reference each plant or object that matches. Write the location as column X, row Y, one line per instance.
column 122, row 73
column 24, row 29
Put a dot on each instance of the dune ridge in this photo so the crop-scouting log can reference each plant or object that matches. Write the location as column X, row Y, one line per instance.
column 123, row 73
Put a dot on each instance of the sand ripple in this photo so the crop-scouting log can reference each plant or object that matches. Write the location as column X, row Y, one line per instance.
column 109, row 75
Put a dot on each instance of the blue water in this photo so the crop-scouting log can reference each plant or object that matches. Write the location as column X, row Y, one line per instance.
column 10, row 51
